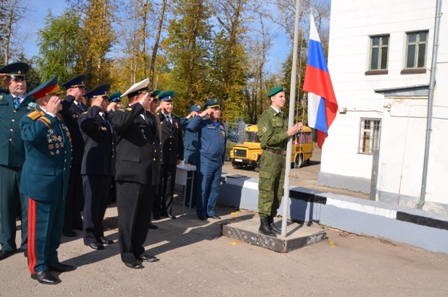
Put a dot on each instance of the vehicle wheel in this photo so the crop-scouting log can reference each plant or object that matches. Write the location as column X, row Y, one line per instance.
column 257, row 167
column 299, row 160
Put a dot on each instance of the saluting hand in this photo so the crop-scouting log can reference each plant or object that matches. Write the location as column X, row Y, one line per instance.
column 97, row 101
column 53, row 105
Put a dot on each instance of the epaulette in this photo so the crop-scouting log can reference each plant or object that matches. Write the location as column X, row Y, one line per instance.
column 35, row 114
column 85, row 112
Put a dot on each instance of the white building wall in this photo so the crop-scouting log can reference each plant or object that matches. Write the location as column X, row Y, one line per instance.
column 403, row 125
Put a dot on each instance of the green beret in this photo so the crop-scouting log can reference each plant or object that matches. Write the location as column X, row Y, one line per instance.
column 167, row 96
column 274, row 91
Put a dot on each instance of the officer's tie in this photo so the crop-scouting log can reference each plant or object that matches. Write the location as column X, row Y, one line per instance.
column 104, row 116
column 168, row 118
column 16, row 102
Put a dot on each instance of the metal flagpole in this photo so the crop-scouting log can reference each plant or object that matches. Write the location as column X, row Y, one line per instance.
column 432, row 82
column 292, row 95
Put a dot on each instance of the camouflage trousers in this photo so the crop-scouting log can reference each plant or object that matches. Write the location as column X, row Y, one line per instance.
column 270, row 185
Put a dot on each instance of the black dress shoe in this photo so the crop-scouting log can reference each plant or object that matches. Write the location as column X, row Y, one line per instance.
column 202, row 218
column 59, row 267
column 96, row 246
column 149, row 258
column 215, row 217
column 134, row 265
column 152, row 226
column 6, row 254
column 104, row 240
column 171, row 217
column 45, row 277
column 69, row 233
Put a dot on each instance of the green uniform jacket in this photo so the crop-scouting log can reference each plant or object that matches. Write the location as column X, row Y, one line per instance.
column 12, row 151
column 272, row 130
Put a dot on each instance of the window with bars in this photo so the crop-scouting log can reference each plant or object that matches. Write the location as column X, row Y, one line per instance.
column 379, row 48
column 416, row 45
column 369, row 136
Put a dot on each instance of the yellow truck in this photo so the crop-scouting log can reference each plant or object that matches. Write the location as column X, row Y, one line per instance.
column 249, row 152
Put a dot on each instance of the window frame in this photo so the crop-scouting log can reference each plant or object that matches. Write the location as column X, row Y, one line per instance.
column 380, row 48
column 372, row 139
column 416, row 51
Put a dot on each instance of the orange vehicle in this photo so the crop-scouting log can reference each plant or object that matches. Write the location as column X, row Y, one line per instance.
column 249, row 152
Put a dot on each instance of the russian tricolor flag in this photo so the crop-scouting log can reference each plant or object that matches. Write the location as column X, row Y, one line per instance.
column 322, row 104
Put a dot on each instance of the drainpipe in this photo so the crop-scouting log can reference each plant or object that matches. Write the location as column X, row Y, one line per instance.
column 430, row 102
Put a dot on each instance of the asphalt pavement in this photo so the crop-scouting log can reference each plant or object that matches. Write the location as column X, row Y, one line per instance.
column 195, row 260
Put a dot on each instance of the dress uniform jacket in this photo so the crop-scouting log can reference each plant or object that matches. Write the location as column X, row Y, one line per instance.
column 12, row 156
column 137, row 144
column 99, row 151
column 12, row 152
column 44, row 181
column 172, row 142
column 48, row 156
column 71, row 112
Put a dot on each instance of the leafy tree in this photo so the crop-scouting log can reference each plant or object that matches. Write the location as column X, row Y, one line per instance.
column 60, row 43
column 99, row 37
column 188, row 48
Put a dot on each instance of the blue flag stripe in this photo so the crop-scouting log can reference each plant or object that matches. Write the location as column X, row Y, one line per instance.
column 316, row 57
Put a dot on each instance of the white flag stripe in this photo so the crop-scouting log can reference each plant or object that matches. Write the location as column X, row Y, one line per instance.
column 313, row 106
column 313, row 31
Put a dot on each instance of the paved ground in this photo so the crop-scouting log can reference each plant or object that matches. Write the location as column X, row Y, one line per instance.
column 195, row 260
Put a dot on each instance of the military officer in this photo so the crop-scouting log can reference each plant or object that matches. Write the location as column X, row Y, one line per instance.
column 13, row 106
column 273, row 133
column 45, row 179
column 97, row 165
column 153, row 106
column 115, row 104
column 191, row 147
column 212, row 152
column 172, row 155
column 72, row 107
column 137, row 173
column 191, row 142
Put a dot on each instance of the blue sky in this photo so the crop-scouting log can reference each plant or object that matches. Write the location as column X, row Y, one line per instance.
column 35, row 20
column 38, row 10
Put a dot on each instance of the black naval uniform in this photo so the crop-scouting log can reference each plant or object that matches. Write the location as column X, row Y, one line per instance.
column 97, row 169
column 172, row 150
column 75, row 196
column 137, row 173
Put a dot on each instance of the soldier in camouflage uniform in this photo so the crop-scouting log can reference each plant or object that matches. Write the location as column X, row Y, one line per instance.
column 273, row 133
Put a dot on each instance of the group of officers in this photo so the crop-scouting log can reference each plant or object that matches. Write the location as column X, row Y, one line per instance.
column 60, row 158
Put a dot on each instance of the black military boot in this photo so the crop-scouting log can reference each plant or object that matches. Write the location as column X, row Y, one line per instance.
column 273, row 226
column 264, row 227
